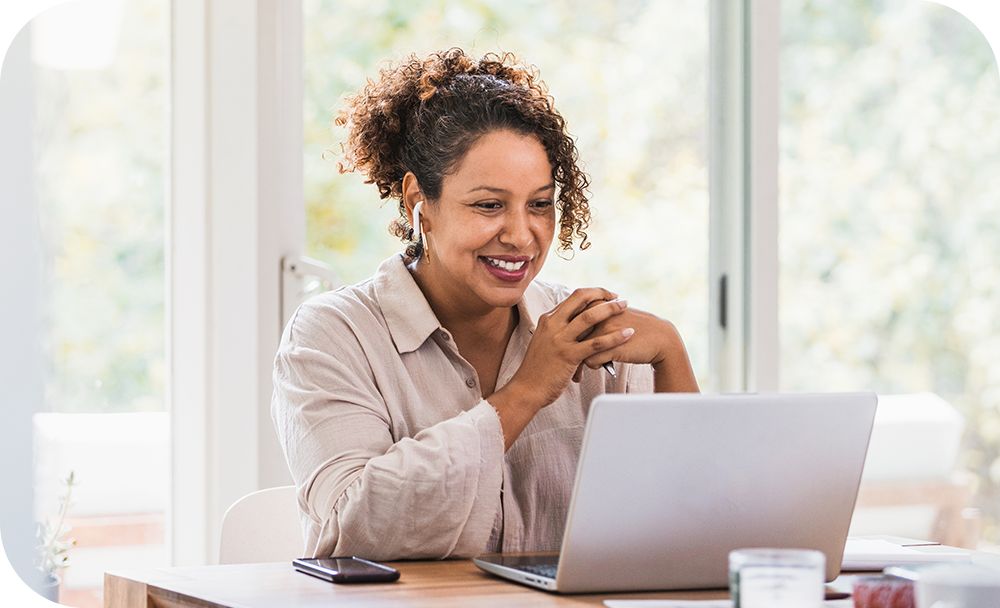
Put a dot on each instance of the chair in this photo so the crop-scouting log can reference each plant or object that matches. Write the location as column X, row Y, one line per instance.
column 262, row 526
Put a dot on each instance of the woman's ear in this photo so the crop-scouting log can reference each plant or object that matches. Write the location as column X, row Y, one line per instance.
column 411, row 194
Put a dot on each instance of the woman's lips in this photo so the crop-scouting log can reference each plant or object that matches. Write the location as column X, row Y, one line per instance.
column 495, row 267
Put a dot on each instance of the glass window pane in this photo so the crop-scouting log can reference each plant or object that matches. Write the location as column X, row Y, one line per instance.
column 630, row 77
column 890, row 126
column 100, row 74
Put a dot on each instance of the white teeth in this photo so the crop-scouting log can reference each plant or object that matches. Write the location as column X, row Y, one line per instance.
column 508, row 266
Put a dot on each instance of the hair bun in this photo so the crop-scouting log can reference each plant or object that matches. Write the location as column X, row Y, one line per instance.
column 441, row 68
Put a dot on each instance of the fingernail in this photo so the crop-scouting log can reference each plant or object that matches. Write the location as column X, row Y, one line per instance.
column 622, row 303
column 628, row 331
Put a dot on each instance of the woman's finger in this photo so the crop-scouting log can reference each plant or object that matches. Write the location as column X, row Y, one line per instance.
column 592, row 348
column 582, row 325
column 579, row 300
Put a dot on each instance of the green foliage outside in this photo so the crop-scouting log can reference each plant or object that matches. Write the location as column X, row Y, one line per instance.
column 890, row 212
column 101, row 150
column 629, row 77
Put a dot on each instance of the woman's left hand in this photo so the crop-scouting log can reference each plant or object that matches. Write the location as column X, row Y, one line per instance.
column 657, row 342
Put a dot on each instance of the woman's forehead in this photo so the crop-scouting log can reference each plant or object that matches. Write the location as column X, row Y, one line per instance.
column 502, row 160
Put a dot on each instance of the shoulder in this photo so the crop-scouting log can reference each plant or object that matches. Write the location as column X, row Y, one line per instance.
column 335, row 315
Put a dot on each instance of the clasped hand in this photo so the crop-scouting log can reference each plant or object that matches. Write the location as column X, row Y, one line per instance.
column 590, row 327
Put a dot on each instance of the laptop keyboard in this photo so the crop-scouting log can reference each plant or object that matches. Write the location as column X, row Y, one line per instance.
column 546, row 570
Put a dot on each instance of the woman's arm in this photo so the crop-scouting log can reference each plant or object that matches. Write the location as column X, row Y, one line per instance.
column 673, row 372
column 434, row 495
column 657, row 342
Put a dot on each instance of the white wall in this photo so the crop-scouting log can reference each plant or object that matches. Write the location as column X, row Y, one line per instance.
column 21, row 308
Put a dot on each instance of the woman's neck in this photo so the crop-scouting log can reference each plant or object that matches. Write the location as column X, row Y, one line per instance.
column 464, row 319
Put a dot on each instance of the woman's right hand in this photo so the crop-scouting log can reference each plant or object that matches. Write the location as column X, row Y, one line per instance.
column 563, row 338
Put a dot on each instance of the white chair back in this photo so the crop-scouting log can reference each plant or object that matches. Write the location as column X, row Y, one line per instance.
column 262, row 526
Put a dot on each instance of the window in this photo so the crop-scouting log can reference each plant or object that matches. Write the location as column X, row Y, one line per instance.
column 99, row 74
column 889, row 233
column 629, row 77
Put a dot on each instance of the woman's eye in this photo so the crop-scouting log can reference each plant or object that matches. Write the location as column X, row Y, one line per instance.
column 542, row 204
column 489, row 205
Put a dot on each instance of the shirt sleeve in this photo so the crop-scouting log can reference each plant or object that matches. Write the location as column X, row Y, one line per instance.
column 638, row 378
column 433, row 495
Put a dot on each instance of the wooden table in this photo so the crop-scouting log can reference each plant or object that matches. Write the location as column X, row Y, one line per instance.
column 278, row 585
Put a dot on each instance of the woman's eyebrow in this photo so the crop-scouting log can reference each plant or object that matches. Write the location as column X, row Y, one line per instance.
column 550, row 186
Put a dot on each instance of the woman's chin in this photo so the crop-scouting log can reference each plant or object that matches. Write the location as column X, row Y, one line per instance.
column 503, row 297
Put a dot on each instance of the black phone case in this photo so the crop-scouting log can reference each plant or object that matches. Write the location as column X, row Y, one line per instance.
column 374, row 575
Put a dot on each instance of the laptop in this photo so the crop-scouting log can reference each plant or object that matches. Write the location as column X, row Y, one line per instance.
column 668, row 484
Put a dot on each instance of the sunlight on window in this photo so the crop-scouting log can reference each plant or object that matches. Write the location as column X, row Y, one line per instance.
column 78, row 35
column 100, row 76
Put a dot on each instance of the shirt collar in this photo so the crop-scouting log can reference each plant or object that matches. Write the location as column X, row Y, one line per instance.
column 407, row 314
column 409, row 317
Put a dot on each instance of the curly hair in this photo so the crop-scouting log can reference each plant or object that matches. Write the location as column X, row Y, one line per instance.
column 423, row 114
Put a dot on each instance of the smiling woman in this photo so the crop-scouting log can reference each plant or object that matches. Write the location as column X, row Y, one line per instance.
column 431, row 411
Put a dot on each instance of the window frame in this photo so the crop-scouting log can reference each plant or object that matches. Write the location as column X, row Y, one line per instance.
column 743, row 194
column 236, row 71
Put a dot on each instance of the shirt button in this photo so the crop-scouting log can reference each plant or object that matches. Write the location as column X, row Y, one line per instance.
column 444, row 335
column 469, row 382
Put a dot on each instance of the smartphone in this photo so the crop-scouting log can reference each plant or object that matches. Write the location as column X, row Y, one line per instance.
column 346, row 570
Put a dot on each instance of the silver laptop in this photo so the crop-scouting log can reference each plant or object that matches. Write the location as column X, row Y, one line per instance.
column 667, row 485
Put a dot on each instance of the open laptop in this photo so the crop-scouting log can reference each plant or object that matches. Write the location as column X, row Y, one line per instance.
column 668, row 484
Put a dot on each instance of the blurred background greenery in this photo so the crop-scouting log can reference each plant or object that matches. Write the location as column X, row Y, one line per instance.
column 890, row 212
column 630, row 77
column 101, row 144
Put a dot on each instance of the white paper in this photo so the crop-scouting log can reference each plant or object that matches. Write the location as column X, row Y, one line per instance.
column 869, row 554
column 848, row 603
column 668, row 603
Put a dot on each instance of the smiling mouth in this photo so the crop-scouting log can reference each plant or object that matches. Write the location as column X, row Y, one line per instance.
column 509, row 271
column 505, row 265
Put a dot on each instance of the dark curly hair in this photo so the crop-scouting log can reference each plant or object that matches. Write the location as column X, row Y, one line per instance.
column 423, row 114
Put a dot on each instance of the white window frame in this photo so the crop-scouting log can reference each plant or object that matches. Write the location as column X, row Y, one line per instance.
column 744, row 45
column 235, row 211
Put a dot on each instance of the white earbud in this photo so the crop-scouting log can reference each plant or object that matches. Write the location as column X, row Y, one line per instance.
column 417, row 234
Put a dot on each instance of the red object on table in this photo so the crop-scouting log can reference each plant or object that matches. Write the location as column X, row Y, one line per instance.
column 883, row 592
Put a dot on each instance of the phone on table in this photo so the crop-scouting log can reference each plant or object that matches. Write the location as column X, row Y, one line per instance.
column 346, row 570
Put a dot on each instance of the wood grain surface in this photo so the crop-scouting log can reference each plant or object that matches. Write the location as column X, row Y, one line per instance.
column 278, row 585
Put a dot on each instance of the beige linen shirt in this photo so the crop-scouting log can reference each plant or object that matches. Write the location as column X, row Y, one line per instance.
column 394, row 450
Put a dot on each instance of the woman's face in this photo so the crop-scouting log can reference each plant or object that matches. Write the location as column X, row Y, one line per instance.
column 489, row 232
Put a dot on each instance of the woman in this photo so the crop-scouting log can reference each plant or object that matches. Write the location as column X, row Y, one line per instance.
column 437, row 409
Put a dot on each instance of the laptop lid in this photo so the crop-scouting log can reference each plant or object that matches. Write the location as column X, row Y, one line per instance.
column 668, row 484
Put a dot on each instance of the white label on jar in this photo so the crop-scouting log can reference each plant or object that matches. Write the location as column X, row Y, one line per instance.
column 780, row 587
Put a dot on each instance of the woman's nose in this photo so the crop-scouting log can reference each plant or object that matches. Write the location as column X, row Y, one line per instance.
column 517, row 231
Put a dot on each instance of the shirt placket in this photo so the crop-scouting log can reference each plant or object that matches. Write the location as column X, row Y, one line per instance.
column 512, row 536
